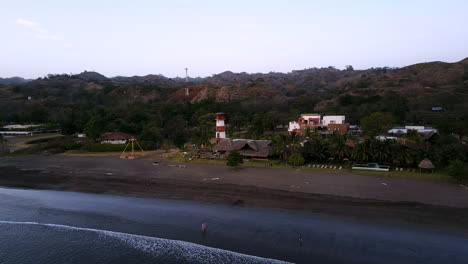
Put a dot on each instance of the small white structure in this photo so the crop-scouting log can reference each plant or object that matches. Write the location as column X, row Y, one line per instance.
column 293, row 126
column 15, row 133
column 18, row 126
column 333, row 120
column 419, row 129
column 384, row 138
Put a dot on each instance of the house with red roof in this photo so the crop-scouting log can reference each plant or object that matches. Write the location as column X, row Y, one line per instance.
column 115, row 138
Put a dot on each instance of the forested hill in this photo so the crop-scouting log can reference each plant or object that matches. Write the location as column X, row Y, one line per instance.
column 407, row 93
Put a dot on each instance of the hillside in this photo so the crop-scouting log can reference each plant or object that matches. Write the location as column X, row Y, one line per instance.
column 408, row 92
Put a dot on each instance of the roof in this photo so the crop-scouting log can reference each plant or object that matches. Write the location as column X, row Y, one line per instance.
column 246, row 147
column 426, row 164
column 116, row 136
column 408, row 143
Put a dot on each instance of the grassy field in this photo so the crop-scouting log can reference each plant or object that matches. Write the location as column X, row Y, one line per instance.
column 438, row 175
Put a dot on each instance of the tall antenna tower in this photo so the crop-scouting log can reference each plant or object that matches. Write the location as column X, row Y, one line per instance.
column 187, row 92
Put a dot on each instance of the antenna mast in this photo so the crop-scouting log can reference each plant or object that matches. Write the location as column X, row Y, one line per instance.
column 187, row 92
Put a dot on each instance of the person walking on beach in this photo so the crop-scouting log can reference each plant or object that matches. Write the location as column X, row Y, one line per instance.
column 300, row 240
column 204, row 228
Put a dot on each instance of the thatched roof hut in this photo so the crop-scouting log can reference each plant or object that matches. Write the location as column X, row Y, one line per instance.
column 426, row 164
column 246, row 147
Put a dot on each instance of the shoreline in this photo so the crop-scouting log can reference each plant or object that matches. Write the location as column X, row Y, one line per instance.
column 414, row 214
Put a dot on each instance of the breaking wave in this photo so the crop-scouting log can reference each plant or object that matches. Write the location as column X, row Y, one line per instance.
column 178, row 251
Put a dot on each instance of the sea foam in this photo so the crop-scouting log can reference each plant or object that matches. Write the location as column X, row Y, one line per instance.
column 164, row 248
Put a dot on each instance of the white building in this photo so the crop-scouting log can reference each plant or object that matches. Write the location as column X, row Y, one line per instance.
column 419, row 129
column 331, row 123
column 339, row 119
column 18, row 126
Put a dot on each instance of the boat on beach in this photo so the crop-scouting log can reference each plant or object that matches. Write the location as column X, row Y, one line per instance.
column 371, row 166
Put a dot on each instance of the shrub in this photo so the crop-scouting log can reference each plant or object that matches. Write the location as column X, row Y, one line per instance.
column 456, row 170
column 234, row 159
column 296, row 159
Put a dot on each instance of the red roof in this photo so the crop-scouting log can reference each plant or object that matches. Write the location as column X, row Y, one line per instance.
column 117, row 136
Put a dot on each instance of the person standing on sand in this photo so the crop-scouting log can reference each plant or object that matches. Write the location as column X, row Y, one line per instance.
column 300, row 240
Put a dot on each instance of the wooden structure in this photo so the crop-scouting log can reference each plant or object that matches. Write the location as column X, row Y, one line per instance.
column 131, row 155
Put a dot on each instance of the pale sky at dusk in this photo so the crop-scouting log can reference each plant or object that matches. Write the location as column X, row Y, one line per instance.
column 163, row 37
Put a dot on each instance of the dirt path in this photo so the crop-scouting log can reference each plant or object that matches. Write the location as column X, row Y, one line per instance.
column 20, row 142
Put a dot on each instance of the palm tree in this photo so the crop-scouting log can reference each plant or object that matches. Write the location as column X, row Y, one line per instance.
column 338, row 148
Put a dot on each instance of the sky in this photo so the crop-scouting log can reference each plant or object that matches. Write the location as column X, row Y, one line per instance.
column 142, row 37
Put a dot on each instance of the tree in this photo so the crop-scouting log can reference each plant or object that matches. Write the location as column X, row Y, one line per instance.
column 456, row 170
column 338, row 148
column 376, row 123
column 179, row 139
column 234, row 159
column 95, row 127
column 296, row 159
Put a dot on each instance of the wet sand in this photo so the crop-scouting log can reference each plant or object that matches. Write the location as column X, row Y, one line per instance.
column 410, row 200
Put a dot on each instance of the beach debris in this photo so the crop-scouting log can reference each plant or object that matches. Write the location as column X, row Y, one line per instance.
column 238, row 202
column 383, row 183
column 464, row 187
column 340, row 168
column 214, row 179
column 205, row 179
column 182, row 166
column 170, row 165
column 307, row 182
column 109, row 173
column 298, row 169
column 156, row 163
column 334, row 167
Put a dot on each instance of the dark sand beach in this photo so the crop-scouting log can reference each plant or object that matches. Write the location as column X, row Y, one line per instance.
column 417, row 201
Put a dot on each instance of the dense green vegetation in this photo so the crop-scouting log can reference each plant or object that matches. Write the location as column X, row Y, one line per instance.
column 445, row 151
column 258, row 106
column 234, row 159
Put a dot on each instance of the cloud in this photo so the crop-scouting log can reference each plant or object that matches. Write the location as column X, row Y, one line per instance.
column 26, row 22
column 40, row 32
column 46, row 36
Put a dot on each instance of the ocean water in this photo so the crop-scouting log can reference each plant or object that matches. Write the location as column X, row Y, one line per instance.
column 38, row 226
column 31, row 242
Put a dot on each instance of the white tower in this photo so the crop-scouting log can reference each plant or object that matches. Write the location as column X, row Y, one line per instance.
column 220, row 128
